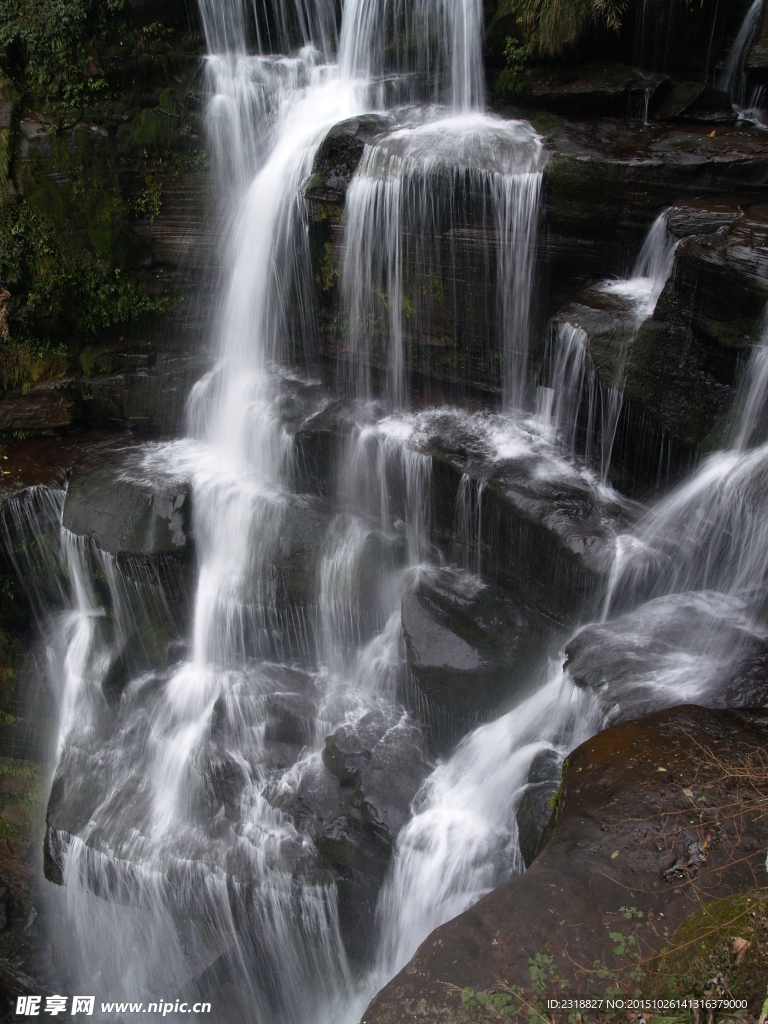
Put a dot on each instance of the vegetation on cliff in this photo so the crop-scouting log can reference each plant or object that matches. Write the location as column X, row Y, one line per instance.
column 95, row 95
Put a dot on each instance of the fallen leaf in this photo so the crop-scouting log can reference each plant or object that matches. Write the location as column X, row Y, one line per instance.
column 740, row 947
column 614, row 855
column 711, row 135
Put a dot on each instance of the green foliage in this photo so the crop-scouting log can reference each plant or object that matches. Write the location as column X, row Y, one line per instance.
column 551, row 25
column 58, row 292
column 517, row 55
column 327, row 271
column 48, row 39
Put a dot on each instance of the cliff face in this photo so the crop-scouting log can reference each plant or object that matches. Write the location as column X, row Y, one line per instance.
column 103, row 175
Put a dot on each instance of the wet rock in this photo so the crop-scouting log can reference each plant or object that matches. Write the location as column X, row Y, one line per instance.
column 318, row 442
column 584, row 90
column 47, row 408
column 678, row 368
column 546, row 543
column 468, row 647
column 379, row 763
column 534, row 810
column 704, row 216
column 595, row 862
column 698, row 643
column 142, row 384
column 289, row 718
column 694, row 101
column 757, row 60
column 606, row 181
column 684, row 365
column 124, row 510
column 339, row 154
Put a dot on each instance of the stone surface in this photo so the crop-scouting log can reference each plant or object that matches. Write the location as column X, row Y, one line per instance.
column 678, row 369
column 683, row 368
column 47, row 408
column 534, row 810
column 640, row 661
column 545, row 542
column 694, row 101
column 339, row 154
column 757, row 59
column 116, row 503
column 468, row 646
column 583, row 90
column 620, row 839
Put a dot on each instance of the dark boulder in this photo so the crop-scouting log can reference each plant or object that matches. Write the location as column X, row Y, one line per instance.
column 757, row 59
column 124, row 509
column 338, row 156
column 468, row 646
column 48, row 408
column 683, row 368
column 694, row 644
column 694, row 101
column 535, row 807
column 583, row 89
column 379, row 762
column 677, row 368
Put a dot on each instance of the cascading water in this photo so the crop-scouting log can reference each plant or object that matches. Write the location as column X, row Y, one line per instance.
column 577, row 407
column 732, row 78
column 412, row 196
column 219, row 767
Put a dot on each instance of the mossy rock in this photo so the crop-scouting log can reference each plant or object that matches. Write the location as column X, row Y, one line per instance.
column 710, row 942
column 22, row 796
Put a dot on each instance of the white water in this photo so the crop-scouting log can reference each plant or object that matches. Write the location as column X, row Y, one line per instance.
column 732, row 76
column 195, row 868
column 411, row 190
column 576, row 407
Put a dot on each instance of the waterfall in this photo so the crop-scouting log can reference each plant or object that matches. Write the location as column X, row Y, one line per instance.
column 575, row 405
column 186, row 818
column 690, row 584
column 245, row 799
column 412, row 196
column 435, row 44
column 732, row 76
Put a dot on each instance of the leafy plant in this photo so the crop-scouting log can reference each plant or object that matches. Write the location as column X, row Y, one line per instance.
column 551, row 25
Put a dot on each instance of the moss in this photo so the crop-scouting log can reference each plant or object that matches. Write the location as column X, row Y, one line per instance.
column 327, row 270
column 711, row 941
column 22, row 798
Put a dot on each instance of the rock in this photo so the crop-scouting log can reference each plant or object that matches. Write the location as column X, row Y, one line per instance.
column 757, row 59
column 547, row 542
column 683, row 368
column 339, row 154
column 289, row 719
column 534, row 810
column 468, row 647
column 607, row 181
column 619, row 824
column 678, row 368
column 583, row 89
column 45, row 409
column 641, row 660
column 116, row 502
column 6, row 110
column 379, row 763
column 693, row 101
column 704, row 216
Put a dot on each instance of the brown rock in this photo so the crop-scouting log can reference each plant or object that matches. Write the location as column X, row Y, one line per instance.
column 643, row 812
